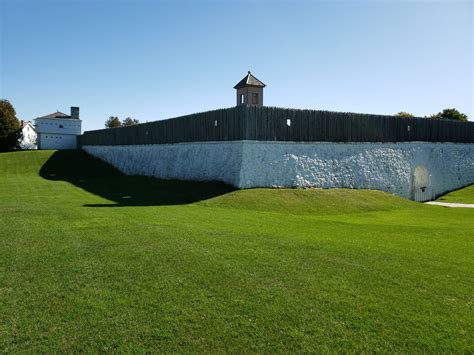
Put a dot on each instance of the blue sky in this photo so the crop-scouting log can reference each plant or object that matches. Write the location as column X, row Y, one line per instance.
column 158, row 59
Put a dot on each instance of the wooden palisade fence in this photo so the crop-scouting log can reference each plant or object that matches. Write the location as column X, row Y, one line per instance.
column 280, row 124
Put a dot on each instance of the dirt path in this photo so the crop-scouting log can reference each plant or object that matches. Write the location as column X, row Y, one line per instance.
column 448, row 204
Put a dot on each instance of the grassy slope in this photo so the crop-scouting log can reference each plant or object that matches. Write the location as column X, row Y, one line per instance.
column 465, row 195
column 252, row 270
column 309, row 201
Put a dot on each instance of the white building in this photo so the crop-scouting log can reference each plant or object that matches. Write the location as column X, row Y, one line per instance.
column 58, row 130
column 28, row 137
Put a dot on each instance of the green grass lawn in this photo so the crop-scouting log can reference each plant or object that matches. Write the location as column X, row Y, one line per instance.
column 91, row 260
column 465, row 195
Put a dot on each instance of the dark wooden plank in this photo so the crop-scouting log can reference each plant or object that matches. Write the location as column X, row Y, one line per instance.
column 269, row 123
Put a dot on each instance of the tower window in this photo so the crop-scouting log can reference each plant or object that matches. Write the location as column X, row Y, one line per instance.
column 242, row 99
column 254, row 99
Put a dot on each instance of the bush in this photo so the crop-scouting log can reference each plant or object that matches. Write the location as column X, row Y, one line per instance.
column 450, row 114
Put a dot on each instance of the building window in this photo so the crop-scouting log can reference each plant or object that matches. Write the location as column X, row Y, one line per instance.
column 254, row 99
column 242, row 99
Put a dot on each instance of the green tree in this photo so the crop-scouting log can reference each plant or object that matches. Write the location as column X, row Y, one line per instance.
column 130, row 122
column 10, row 128
column 113, row 122
column 450, row 114
column 404, row 114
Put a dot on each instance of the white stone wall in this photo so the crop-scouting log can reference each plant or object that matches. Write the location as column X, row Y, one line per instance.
column 184, row 161
column 245, row 164
column 379, row 166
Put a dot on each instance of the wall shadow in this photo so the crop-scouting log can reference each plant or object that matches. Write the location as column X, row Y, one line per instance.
column 99, row 178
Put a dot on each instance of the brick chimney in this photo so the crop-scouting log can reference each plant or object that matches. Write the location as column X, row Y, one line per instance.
column 74, row 112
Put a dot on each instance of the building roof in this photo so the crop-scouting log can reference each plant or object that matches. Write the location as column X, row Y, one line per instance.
column 249, row 80
column 56, row 114
column 25, row 123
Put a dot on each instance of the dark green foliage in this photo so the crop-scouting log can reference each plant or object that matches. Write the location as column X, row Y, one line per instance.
column 450, row 114
column 130, row 121
column 405, row 114
column 9, row 127
column 113, row 122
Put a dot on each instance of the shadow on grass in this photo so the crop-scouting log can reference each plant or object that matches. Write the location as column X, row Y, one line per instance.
column 99, row 178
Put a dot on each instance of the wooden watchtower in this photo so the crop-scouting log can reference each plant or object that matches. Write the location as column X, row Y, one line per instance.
column 250, row 91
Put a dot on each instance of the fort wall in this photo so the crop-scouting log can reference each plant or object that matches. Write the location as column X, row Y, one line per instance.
column 415, row 170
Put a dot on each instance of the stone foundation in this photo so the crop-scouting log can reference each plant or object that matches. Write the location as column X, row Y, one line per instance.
column 245, row 164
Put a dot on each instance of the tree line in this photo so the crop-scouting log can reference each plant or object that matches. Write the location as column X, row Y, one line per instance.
column 114, row 122
column 446, row 114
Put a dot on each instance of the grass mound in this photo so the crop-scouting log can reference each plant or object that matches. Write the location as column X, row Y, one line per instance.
column 465, row 195
column 309, row 201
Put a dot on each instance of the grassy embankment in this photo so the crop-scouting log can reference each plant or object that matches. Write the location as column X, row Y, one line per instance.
column 465, row 195
column 92, row 260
